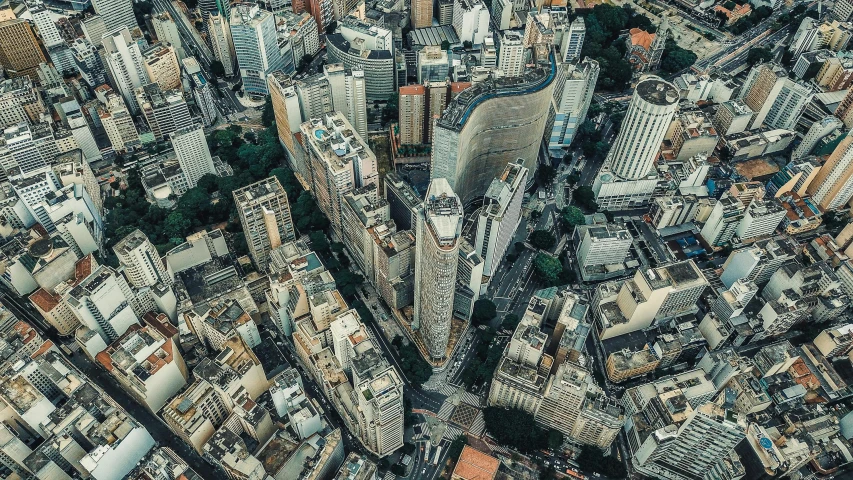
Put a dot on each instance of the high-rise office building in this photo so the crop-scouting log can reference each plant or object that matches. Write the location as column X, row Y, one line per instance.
column 202, row 91
column 125, row 62
column 141, row 262
column 94, row 28
column 649, row 116
column 219, row 33
column 103, row 302
column 369, row 48
column 116, row 14
column 470, row 20
column 511, row 53
column 818, row 131
column 692, row 441
column 760, row 219
column 411, row 104
column 433, row 64
column 759, row 261
column 622, row 307
column 20, row 53
column 403, row 201
column 723, row 222
column 190, row 146
column 573, row 90
column 164, row 111
column 167, row 32
column 265, row 215
column 421, row 13
column 89, row 63
column 285, row 104
column 349, row 95
column 161, row 64
column 46, row 27
column 487, row 126
column 255, row 40
column 339, row 160
column 776, row 100
column 438, row 235
column 573, row 37
column 500, row 216
column 599, row 245
column 832, row 187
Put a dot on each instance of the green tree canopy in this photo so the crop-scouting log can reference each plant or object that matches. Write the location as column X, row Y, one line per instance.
column 268, row 115
column 572, row 217
column 415, row 368
column 591, row 458
column 585, row 197
column 675, row 58
column 456, row 447
column 484, row 311
column 515, row 428
column 217, row 69
column 510, row 321
column 542, row 239
column 547, row 268
column 758, row 55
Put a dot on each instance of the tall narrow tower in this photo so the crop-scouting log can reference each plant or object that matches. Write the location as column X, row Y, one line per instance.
column 438, row 231
column 646, row 123
column 658, row 45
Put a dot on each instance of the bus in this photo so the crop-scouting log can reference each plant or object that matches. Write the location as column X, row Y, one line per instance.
column 575, row 474
column 426, row 450
column 437, row 455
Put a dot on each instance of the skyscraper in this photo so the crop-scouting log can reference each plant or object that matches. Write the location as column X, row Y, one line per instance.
column 648, row 118
column 573, row 38
column 369, row 48
column 141, row 262
column 692, row 442
column 500, row 216
column 438, row 234
column 832, row 187
column 165, row 111
column 573, row 90
column 347, row 88
column 265, row 215
column 219, row 34
column 193, row 155
column 167, row 32
column 116, row 14
column 412, row 114
column 256, row 45
column 511, row 53
column 124, row 60
column 421, row 13
column 20, row 53
column 161, row 64
column 94, row 28
column 286, row 108
column 89, row 63
column 339, row 161
column 489, row 125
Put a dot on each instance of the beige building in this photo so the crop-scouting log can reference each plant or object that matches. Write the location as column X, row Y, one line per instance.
column 20, row 53
column 421, row 13
column 658, row 293
column 412, row 99
column 832, row 187
column 339, row 160
column 265, row 216
column 161, row 63
column 438, row 233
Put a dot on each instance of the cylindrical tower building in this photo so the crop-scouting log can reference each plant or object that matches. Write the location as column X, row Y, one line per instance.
column 649, row 116
column 438, row 230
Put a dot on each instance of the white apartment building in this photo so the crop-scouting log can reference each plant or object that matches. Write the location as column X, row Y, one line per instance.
column 141, row 262
column 573, row 90
column 511, row 53
column 265, row 216
column 470, row 20
column 125, row 62
column 500, row 216
column 190, row 146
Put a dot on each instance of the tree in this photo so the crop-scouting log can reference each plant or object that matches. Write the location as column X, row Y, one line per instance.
column 484, row 311
column 456, row 447
column 392, row 109
column 510, row 321
column 445, row 45
column 547, row 268
column 555, row 439
column 467, row 45
column 268, row 115
column 758, row 55
column 304, row 62
column 515, row 428
column 330, row 28
column 572, row 217
column 591, row 458
column 415, row 368
column 545, row 175
column 542, row 239
column 217, row 69
column 319, row 241
column 573, row 179
column 585, row 197
column 675, row 58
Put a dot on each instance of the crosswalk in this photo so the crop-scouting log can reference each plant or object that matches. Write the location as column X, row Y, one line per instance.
column 389, row 476
column 445, row 411
column 450, row 433
column 423, row 428
column 471, row 399
column 478, row 426
column 447, row 389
